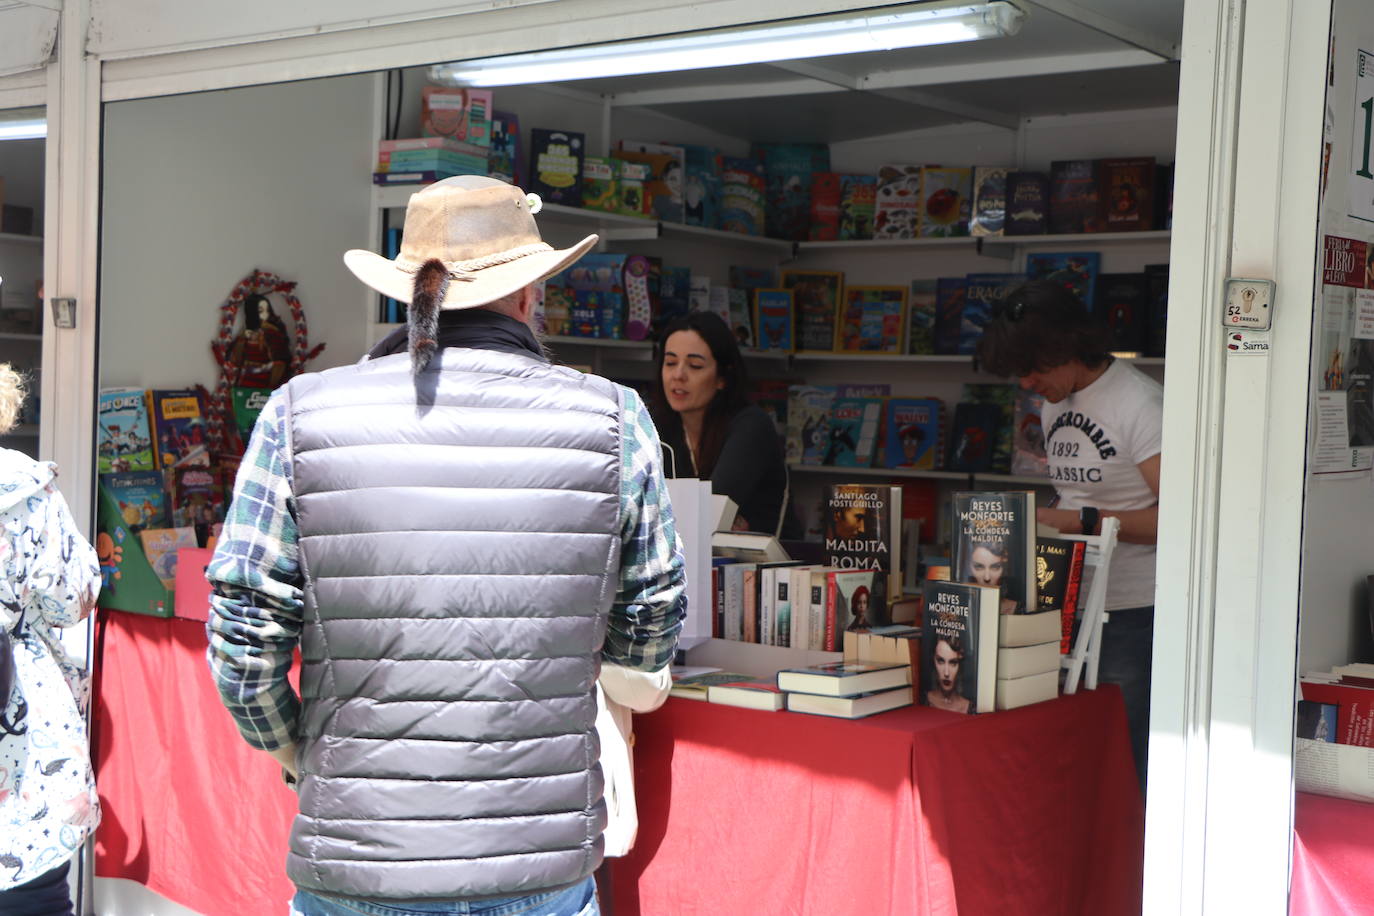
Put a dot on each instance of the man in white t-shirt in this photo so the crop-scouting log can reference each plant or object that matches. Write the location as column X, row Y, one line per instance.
column 1102, row 421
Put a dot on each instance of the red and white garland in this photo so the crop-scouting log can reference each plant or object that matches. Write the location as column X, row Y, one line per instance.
column 222, row 431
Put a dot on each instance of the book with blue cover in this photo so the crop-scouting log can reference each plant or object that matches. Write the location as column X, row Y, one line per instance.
column 742, row 193
column 788, row 168
column 913, row 433
column 773, row 314
column 701, row 189
column 140, row 496
column 982, row 293
column 949, row 313
column 124, row 442
column 1076, row 271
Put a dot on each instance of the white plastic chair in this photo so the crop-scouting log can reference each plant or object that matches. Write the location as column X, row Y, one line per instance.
column 1087, row 646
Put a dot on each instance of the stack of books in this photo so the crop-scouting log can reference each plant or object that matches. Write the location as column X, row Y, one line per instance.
column 421, row 160
column 847, row 689
column 1027, row 659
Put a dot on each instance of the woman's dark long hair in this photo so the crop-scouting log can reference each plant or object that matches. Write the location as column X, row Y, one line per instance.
column 727, row 402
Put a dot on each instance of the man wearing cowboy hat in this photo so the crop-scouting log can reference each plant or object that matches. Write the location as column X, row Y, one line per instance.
column 457, row 534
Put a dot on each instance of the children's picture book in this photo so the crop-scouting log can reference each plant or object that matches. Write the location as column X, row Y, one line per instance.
column 959, row 625
column 503, row 158
column 179, row 427
column 897, row 207
column 1028, row 203
column 459, row 114
column 988, row 216
column 950, row 293
column 981, row 295
column 862, row 529
column 774, row 311
column 556, row 158
column 197, row 496
column 913, row 433
column 1126, row 201
column 920, row 317
column 994, row 545
column 632, row 180
column 788, row 168
column 808, row 423
column 123, row 441
column 600, row 190
column 816, row 295
column 141, row 497
column 1123, row 302
column 870, row 319
column 1003, row 397
column 973, row 435
column 666, row 178
column 246, row 405
column 1073, row 196
column 701, row 189
column 160, row 546
column 825, row 207
column 945, row 201
column 1076, row 271
column 742, row 192
column 854, row 426
column 858, row 198
column 1059, row 581
column 1028, row 436
column 741, row 321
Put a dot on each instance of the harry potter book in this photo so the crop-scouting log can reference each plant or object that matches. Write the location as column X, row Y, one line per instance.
column 1028, row 195
column 1127, row 195
column 862, row 529
column 1073, row 196
column 958, row 647
column 989, row 213
column 994, row 545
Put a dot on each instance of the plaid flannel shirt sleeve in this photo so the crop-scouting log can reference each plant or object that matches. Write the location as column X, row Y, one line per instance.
column 651, row 601
column 256, row 591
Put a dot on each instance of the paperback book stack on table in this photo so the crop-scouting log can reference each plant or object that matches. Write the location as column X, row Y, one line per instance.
column 847, row 689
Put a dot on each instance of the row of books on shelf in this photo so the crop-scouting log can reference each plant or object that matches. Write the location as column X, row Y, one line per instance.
column 163, row 429
column 627, row 296
column 781, row 190
column 994, row 429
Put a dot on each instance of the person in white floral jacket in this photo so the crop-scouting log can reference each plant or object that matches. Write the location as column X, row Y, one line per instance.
column 48, row 803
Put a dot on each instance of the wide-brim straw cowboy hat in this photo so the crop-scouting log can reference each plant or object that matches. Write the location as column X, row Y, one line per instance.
column 482, row 230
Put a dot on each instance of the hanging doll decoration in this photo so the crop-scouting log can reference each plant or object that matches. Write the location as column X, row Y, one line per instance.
column 262, row 355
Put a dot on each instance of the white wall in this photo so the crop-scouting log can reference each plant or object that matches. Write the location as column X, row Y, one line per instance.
column 1337, row 552
column 201, row 189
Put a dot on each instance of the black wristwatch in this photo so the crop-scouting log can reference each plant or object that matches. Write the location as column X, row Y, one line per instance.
column 1088, row 517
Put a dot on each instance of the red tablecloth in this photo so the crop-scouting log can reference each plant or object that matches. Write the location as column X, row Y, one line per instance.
column 1333, row 857
column 917, row 811
column 1031, row 811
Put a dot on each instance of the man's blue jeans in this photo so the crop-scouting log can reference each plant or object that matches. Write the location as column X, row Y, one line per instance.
column 578, row 900
column 1127, row 647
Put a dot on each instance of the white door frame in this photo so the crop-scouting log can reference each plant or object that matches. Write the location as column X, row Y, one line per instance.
column 1252, row 92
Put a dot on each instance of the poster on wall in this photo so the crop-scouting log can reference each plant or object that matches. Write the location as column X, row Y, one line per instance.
column 1360, row 183
column 1343, row 423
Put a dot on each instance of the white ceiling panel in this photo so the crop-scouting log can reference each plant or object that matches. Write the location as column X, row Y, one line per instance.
column 27, row 34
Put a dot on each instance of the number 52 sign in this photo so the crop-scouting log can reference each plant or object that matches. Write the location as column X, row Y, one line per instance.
column 1362, row 180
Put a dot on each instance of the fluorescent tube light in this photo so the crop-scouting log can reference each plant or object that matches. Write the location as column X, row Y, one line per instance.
column 881, row 29
column 24, row 130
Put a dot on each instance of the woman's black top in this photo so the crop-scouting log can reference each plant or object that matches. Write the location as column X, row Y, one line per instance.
column 751, row 468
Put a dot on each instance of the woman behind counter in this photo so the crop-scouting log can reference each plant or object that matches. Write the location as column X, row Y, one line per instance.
column 702, row 413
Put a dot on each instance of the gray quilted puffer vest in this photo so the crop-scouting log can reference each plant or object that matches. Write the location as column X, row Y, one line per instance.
column 460, row 561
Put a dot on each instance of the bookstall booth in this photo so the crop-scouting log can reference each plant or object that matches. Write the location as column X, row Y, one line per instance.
column 199, row 189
